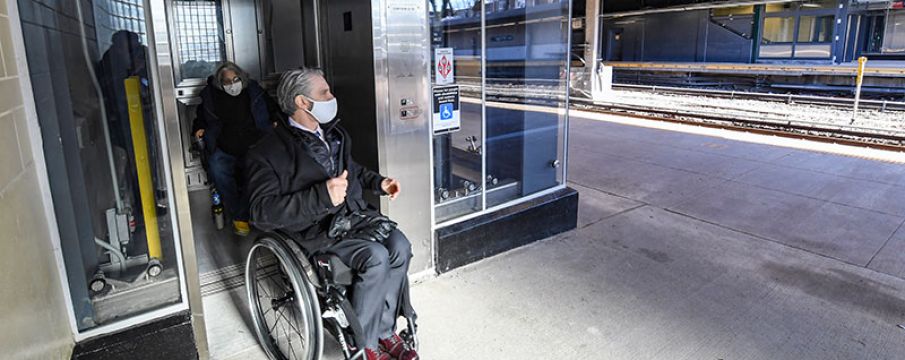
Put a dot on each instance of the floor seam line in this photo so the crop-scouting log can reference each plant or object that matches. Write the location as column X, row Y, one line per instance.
column 896, row 231
column 612, row 215
column 607, row 192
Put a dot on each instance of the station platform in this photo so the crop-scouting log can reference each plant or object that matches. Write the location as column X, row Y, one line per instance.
column 688, row 246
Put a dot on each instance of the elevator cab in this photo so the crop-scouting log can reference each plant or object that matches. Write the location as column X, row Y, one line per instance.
column 465, row 103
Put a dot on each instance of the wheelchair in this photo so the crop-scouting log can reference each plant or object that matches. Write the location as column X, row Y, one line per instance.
column 294, row 296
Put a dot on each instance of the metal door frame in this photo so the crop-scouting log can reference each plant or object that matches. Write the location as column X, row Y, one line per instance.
column 163, row 75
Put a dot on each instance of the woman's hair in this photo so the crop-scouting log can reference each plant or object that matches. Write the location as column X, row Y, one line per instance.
column 228, row 65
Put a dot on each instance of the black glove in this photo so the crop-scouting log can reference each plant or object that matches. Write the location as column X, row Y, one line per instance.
column 340, row 226
column 376, row 229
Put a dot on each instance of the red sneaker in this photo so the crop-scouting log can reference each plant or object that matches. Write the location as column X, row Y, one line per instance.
column 372, row 354
column 395, row 346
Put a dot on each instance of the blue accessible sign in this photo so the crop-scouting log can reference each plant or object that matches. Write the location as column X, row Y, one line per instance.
column 446, row 115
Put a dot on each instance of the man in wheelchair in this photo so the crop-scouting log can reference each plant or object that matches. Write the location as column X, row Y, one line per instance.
column 303, row 180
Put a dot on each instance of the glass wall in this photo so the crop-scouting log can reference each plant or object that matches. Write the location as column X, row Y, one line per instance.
column 798, row 30
column 894, row 36
column 779, row 29
column 510, row 62
column 458, row 159
column 89, row 70
column 884, row 32
column 527, row 67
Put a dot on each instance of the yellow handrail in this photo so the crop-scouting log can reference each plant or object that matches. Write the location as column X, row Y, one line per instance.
column 143, row 166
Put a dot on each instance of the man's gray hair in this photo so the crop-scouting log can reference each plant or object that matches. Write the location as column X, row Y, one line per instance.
column 294, row 83
column 229, row 65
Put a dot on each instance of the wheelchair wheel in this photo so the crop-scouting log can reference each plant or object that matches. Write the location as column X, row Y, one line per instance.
column 282, row 302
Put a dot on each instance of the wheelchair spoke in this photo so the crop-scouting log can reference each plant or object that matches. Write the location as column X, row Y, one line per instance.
column 281, row 302
column 276, row 319
column 264, row 288
column 291, row 348
column 297, row 331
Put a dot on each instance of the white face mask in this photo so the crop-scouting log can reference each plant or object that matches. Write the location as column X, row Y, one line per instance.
column 233, row 89
column 323, row 111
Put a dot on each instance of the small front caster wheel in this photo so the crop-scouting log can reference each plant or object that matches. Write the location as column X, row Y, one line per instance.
column 98, row 283
column 154, row 268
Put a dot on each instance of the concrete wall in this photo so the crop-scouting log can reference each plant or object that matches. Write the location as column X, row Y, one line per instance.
column 34, row 319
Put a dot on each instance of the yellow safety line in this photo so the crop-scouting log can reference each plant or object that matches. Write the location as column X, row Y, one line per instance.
column 143, row 166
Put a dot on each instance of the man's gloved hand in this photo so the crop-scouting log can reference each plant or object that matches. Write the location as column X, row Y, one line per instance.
column 339, row 227
column 376, row 229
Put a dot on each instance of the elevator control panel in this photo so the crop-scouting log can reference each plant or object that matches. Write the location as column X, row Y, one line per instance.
column 408, row 109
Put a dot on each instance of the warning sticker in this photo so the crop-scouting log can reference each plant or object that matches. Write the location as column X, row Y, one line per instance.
column 446, row 116
column 444, row 68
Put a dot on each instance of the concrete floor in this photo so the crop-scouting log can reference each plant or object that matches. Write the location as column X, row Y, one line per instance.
column 688, row 247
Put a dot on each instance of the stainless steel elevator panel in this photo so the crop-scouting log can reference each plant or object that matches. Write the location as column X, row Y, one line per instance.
column 404, row 131
column 376, row 57
column 246, row 36
column 285, row 29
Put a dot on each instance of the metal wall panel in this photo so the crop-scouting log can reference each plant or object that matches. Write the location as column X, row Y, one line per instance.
column 163, row 75
column 404, row 129
column 663, row 33
column 723, row 41
column 286, row 33
column 376, row 59
column 243, row 33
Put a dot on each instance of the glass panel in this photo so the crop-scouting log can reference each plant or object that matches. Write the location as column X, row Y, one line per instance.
column 525, row 113
column 818, row 4
column 815, row 28
column 812, row 51
column 776, row 51
column 734, row 11
column 876, row 28
column 894, row 38
column 104, row 158
column 778, row 30
column 780, row 7
column 458, row 179
column 199, row 37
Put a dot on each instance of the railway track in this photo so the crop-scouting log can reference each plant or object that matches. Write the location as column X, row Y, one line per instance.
column 847, row 135
column 892, row 140
column 839, row 102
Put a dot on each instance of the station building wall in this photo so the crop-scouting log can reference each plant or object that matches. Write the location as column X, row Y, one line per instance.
column 34, row 317
column 686, row 36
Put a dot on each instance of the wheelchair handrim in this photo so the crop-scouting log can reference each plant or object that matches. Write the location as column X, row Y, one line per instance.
column 303, row 303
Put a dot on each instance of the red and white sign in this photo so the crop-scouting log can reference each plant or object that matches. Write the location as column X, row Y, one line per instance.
column 444, row 66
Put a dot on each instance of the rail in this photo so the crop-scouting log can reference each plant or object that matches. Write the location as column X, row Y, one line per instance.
column 882, row 105
column 844, row 134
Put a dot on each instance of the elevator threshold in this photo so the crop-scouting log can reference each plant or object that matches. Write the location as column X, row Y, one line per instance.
column 223, row 279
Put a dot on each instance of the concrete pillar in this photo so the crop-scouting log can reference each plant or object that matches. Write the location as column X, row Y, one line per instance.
column 592, row 47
